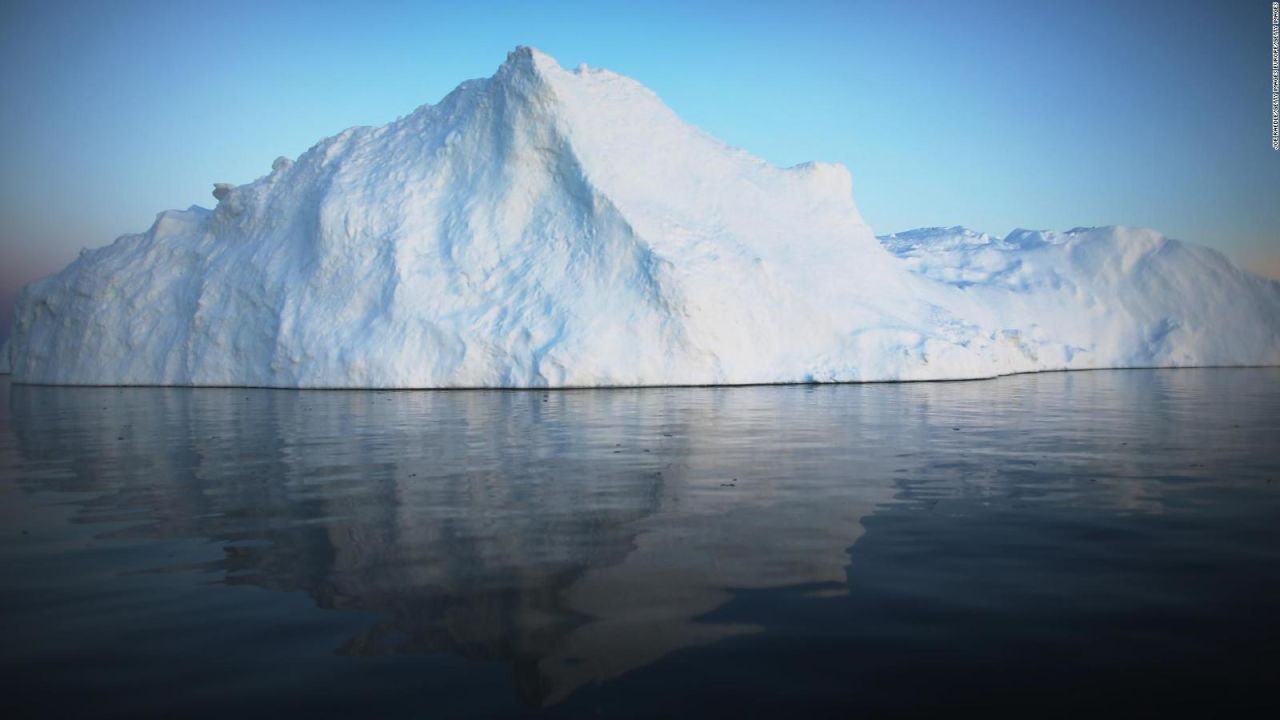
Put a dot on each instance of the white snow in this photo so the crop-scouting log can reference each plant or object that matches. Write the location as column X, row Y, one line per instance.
column 1104, row 297
column 547, row 227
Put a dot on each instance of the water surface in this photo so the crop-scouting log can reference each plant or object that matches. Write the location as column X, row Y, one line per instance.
column 1039, row 542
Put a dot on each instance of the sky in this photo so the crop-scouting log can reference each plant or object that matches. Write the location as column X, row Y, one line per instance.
column 992, row 115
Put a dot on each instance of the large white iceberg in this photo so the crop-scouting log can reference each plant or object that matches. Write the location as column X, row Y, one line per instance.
column 547, row 227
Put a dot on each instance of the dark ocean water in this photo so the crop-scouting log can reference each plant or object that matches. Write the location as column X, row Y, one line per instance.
column 1038, row 544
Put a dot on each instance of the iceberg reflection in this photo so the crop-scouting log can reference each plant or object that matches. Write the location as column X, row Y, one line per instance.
column 575, row 535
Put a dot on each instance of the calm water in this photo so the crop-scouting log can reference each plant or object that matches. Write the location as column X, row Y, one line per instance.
column 1041, row 542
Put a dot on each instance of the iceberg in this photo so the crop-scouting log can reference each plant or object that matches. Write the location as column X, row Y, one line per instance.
column 564, row 228
column 1109, row 297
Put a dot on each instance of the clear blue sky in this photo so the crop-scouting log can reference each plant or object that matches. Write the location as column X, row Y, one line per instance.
column 993, row 115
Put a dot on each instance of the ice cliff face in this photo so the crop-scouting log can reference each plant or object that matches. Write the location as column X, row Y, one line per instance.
column 547, row 227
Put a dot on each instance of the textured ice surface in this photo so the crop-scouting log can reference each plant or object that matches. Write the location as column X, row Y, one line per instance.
column 546, row 227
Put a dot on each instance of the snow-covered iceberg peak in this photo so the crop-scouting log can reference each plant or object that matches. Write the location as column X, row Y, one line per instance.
column 549, row 227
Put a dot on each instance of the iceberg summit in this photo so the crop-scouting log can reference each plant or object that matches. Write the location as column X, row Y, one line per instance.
column 554, row 228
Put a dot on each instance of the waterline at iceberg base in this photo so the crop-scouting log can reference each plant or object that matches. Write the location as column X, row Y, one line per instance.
column 553, row 228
